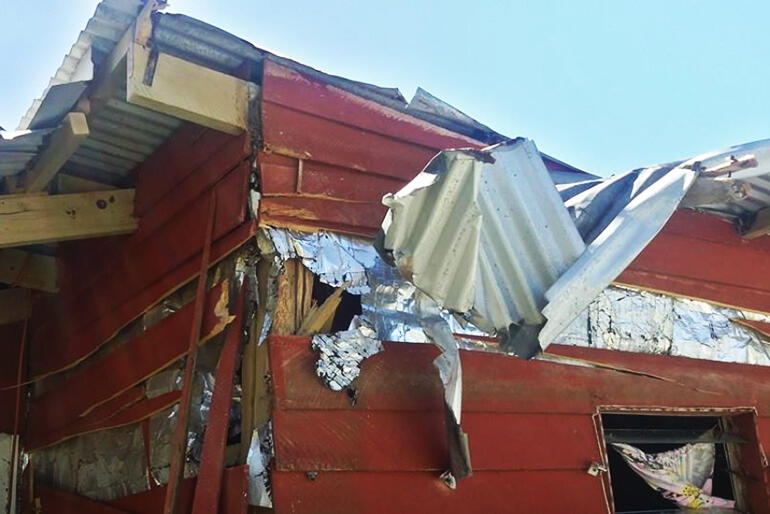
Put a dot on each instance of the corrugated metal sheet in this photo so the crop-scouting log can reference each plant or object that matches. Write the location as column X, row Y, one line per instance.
column 111, row 18
column 483, row 233
column 121, row 137
column 17, row 149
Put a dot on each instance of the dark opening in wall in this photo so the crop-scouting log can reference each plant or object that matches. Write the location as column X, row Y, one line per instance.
column 350, row 305
column 655, row 434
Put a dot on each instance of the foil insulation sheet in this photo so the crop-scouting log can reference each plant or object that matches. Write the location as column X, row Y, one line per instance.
column 341, row 354
column 632, row 320
column 258, row 458
column 391, row 306
column 335, row 259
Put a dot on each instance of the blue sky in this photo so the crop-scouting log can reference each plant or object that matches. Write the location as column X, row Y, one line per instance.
column 606, row 86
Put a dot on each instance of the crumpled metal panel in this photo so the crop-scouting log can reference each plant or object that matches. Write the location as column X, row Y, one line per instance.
column 632, row 320
column 341, row 353
column 483, row 232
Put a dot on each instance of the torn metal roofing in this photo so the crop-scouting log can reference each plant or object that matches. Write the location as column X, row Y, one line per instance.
column 483, row 233
column 537, row 280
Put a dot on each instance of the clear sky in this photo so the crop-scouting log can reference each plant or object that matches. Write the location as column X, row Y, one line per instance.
column 606, row 86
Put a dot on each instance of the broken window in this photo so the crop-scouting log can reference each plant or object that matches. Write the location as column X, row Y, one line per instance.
column 667, row 463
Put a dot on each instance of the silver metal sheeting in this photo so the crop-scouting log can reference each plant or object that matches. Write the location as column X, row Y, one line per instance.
column 638, row 321
column 619, row 318
column 483, row 233
column 336, row 259
column 340, row 354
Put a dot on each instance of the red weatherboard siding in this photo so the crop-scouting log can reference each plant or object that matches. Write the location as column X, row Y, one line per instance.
column 330, row 155
column 701, row 256
column 530, row 426
column 107, row 283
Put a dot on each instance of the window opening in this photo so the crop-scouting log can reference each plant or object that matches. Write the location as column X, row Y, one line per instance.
column 653, row 434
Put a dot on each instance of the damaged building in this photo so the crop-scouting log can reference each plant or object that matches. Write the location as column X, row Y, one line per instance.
column 233, row 283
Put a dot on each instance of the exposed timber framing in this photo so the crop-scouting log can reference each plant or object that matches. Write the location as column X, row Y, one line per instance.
column 36, row 218
column 63, row 143
column 30, row 270
column 188, row 91
column 761, row 225
column 15, row 305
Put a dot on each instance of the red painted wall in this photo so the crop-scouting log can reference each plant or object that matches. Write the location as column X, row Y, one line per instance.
column 530, row 425
column 702, row 256
column 108, row 282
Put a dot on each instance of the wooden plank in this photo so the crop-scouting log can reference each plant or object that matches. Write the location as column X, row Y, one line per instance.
column 62, row 144
column 125, row 366
column 543, row 492
column 760, row 226
column 179, row 441
column 319, row 178
column 15, row 305
column 30, row 270
column 290, row 88
column 403, row 378
column 294, row 297
column 209, row 487
column 234, row 495
column 357, row 440
column 63, row 349
column 32, row 219
column 188, row 91
column 305, row 212
column 298, row 134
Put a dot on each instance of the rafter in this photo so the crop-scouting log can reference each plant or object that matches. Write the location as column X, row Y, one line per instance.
column 38, row 218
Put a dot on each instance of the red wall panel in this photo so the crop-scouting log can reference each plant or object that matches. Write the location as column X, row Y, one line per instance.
column 530, row 425
column 702, row 256
column 109, row 283
column 329, row 155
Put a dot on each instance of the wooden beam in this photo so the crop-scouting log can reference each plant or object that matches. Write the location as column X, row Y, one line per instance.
column 761, row 225
column 14, row 305
column 179, row 88
column 32, row 219
column 30, row 270
column 62, row 144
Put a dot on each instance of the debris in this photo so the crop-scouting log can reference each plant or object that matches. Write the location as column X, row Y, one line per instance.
column 319, row 318
column 336, row 259
column 341, row 354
